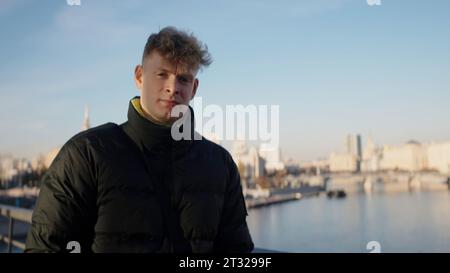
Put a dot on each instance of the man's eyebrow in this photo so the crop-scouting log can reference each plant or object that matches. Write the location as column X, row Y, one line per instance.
column 162, row 69
column 185, row 74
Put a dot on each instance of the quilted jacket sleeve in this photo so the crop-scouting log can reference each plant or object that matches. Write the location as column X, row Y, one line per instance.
column 233, row 235
column 66, row 207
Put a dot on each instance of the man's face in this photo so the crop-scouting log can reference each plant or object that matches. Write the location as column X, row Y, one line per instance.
column 164, row 84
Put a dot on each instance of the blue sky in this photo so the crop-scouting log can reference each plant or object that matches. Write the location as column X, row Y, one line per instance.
column 333, row 66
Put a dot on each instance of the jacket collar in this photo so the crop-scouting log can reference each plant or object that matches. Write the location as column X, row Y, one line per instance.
column 151, row 136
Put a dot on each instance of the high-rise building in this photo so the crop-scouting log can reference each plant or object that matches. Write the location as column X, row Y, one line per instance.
column 371, row 157
column 358, row 153
column 358, row 146
column 249, row 159
column 350, row 161
column 438, row 155
column 86, row 124
column 272, row 157
column 353, row 145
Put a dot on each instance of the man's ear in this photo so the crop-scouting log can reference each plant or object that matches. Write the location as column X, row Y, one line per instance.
column 194, row 90
column 138, row 75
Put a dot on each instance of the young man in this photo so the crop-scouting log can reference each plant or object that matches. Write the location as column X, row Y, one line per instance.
column 133, row 187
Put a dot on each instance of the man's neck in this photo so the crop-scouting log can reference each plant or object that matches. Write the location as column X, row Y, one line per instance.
column 152, row 119
column 138, row 106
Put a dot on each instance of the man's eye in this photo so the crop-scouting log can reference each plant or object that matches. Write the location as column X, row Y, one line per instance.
column 183, row 79
column 161, row 74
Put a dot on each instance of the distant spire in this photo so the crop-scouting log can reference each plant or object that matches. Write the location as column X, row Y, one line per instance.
column 86, row 124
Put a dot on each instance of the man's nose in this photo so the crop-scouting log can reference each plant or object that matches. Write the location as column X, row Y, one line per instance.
column 172, row 86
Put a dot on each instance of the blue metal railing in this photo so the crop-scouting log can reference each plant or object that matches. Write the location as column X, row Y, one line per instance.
column 14, row 214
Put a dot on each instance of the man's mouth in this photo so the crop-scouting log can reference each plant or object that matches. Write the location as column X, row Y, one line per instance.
column 169, row 103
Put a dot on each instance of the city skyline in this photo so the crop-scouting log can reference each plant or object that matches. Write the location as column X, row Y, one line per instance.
column 333, row 67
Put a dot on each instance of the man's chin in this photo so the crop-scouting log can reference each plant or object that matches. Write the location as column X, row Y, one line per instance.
column 168, row 120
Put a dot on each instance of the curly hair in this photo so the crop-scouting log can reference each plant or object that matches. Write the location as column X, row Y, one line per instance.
column 178, row 46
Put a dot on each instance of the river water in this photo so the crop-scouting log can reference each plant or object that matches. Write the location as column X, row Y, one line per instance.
column 398, row 222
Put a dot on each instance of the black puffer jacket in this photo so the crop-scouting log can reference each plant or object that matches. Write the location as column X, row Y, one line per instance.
column 132, row 188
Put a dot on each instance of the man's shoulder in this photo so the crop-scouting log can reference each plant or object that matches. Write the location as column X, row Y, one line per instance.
column 105, row 130
column 95, row 136
column 81, row 145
